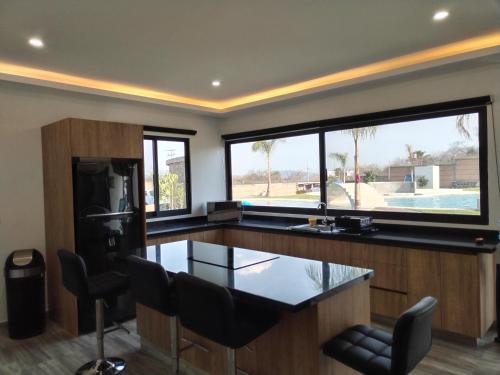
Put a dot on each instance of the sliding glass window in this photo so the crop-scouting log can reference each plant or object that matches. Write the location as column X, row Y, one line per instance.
column 166, row 176
column 424, row 163
column 278, row 172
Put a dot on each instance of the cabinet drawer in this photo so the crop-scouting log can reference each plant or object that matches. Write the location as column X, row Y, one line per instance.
column 210, row 360
column 378, row 253
column 243, row 238
column 387, row 276
column 387, row 303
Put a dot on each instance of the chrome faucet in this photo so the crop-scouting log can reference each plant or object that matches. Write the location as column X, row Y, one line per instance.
column 325, row 212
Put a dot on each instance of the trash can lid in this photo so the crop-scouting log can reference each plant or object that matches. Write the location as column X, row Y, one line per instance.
column 22, row 257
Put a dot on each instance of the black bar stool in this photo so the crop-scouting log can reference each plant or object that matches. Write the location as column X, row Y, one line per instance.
column 153, row 288
column 211, row 311
column 98, row 287
column 377, row 352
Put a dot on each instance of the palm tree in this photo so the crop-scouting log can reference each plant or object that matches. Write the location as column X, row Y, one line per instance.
column 357, row 135
column 411, row 156
column 342, row 159
column 267, row 148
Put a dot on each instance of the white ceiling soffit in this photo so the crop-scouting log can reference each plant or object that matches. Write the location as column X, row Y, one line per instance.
column 261, row 51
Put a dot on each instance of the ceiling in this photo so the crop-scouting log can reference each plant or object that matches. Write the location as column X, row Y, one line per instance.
column 179, row 47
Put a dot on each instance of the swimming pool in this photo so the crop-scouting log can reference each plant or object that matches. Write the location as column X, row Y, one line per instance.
column 461, row 201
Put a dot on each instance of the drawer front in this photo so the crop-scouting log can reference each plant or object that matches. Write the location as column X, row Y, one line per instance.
column 387, row 303
column 378, row 253
column 387, row 276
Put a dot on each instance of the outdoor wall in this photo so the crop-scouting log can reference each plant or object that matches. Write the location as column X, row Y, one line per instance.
column 467, row 169
column 393, row 187
column 277, row 189
column 25, row 109
column 397, row 173
column 430, row 173
column 434, row 86
column 446, row 175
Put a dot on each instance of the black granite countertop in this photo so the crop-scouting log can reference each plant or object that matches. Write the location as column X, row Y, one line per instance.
column 276, row 281
column 431, row 238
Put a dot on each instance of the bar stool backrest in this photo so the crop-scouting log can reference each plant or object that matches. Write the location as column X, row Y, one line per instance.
column 412, row 336
column 151, row 285
column 206, row 308
column 74, row 273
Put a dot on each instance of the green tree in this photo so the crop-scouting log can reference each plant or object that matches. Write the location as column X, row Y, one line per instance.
column 342, row 160
column 357, row 135
column 267, row 148
column 370, row 176
column 422, row 181
column 171, row 191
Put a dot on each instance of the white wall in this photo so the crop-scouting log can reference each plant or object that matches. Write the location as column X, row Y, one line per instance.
column 417, row 89
column 25, row 109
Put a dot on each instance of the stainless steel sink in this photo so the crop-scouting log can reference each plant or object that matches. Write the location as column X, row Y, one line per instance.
column 318, row 228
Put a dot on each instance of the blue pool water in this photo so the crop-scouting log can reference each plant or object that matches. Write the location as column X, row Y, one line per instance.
column 462, row 201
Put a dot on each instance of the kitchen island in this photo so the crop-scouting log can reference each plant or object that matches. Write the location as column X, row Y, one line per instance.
column 315, row 300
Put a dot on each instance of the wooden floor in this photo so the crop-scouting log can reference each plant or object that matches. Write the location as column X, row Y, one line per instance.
column 57, row 353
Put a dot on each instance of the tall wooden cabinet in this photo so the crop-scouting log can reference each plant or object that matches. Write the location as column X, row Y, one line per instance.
column 61, row 141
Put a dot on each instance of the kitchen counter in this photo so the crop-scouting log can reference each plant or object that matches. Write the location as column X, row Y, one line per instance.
column 450, row 240
column 314, row 301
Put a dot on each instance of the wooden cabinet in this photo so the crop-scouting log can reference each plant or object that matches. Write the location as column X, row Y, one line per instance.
column 61, row 141
column 215, row 236
column 463, row 284
column 424, row 279
column 243, row 238
column 388, row 303
column 95, row 139
column 467, row 293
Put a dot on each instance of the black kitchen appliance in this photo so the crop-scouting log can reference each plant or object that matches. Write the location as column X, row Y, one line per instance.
column 107, row 223
column 354, row 223
column 224, row 211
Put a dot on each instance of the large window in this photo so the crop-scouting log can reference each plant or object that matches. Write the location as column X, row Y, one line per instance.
column 424, row 163
column 279, row 172
column 423, row 166
column 166, row 176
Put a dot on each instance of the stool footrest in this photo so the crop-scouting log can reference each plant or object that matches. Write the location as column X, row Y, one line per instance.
column 106, row 366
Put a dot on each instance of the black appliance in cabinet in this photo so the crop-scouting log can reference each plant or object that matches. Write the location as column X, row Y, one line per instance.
column 107, row 224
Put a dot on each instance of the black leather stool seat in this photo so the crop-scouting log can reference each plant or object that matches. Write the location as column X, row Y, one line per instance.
column 362, row 348
column 107, row 284
column 376, row 352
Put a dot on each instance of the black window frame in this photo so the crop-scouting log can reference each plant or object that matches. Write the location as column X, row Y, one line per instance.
column 168, row 213
column 453, row 108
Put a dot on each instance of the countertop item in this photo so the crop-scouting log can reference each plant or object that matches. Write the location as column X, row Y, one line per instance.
column 275, row 281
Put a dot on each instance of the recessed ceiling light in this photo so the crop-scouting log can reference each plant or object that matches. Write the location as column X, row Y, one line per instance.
column 440, row 15
column 36, row 42
column 216, row 83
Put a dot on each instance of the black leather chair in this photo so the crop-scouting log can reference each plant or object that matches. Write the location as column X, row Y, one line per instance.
column 376, row 352
column 153, row 288
column 97, row 287
column 210, row 311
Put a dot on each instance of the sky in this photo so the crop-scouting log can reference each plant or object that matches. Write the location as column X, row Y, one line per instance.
column 166, row 150
column 388, row 144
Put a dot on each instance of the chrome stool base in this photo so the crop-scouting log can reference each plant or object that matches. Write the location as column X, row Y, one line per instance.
column 106, row 366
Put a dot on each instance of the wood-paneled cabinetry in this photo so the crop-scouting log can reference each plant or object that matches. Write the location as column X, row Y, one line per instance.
column 462, row 283
column 61, row 141
column 215, row 236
